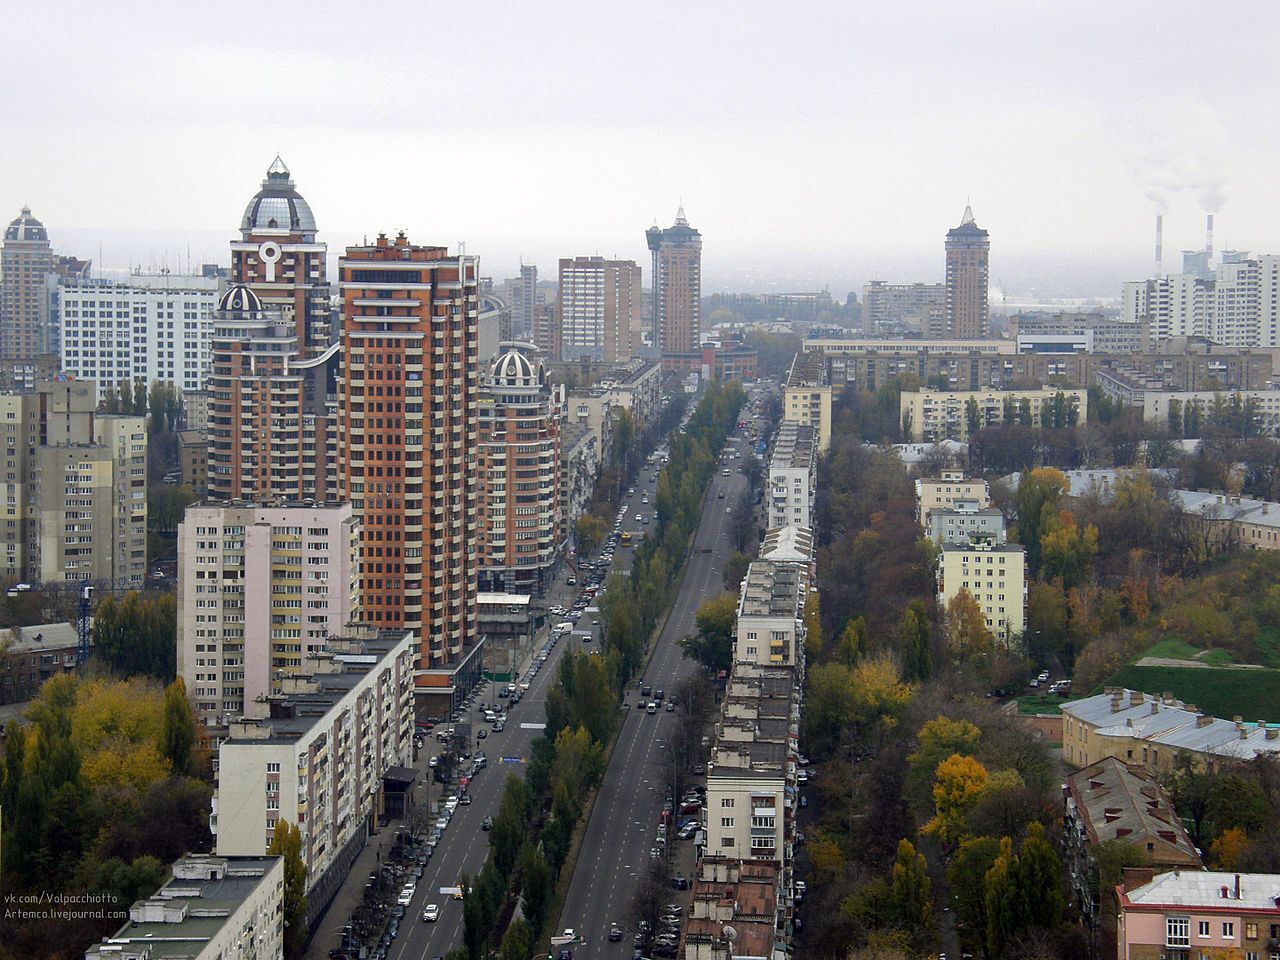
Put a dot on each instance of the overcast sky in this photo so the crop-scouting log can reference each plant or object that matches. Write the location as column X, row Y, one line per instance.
column 839, row 139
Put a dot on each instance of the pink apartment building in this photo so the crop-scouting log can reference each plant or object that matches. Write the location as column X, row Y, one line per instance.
column 1200, row 915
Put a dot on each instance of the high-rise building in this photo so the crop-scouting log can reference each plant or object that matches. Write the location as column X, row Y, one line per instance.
column 149, row 328
column 25, row 265
column 519, row 475
column 277, row 256
column 1237, row 306
column 272, row 432
column 77, row 502
column 525, row 299
column 793, row 474
column 599, row 309
column 408, row 394
column 897, row 308
column 968, row 251
column 677, row 292
column 260, row 588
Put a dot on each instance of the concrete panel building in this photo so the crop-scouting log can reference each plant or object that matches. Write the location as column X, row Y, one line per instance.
column 931, row 415
column 260, row 588
column 793, row 472
column 965, row 522
column 769, row 629
column 806, row 397
column 146, row 329
column 211, row 908
column 995, row 576
column 944, row 492
column 599, row 309
column 316, row 755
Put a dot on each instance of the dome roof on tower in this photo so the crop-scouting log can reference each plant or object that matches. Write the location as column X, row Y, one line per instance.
column 278, row 208
column 239, row 299
column 26, row 227
column 514, row 369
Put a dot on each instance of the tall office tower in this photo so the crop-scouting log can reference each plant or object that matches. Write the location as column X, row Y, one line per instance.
column 25, row 265
column 968, row 250
column 408, row 392
column 519, row 475
column 278, row 257
column 525, row 300
column 599, row 313
column 77, row 503
column 677, row 292
column 272, row 433
column 147, row 328
column 260, row 588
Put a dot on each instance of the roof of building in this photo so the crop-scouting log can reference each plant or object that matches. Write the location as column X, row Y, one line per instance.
column 1164, row 720
column 792, row 447
column 278, row 207
column 239, row 299
column 1120, row 802
column 1208, row 889
column 308, row 698
column 808, row 370
column 789, row 544
column 983, row 546
column 192, row 438
column 180, row 918
column 1216, row 506
column 771, row 590
column 764, row 759
column 747, row 898
column 45, row 636
column 26, row 227
column 513, row 368
column 503, row 599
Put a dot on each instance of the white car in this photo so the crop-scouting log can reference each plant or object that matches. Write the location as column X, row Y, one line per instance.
column 432, row 913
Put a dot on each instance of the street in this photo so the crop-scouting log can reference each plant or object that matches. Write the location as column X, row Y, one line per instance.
column 624, row 820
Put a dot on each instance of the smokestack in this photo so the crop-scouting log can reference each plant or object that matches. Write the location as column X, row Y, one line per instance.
column 1159, row 245
column 1208, row 239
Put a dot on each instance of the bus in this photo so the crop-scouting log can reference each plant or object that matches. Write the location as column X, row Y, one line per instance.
column 626, row 538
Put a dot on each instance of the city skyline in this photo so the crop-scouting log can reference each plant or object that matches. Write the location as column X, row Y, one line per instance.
column 867, row 153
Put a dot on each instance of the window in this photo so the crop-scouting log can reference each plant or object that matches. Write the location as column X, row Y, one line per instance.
column 726, row 821
column 1251, row 931
column 726, row 842
column 1228, row 930
column 726, row 802
column 1177, row 931
column 1202, row 928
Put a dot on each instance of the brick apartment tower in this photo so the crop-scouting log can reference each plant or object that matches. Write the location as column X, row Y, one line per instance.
column 968, row 249
column 599, row 308
column 25, row 266
column 519, row 474
column 278, row 258
column 272, row 422
column 408, row 396
column 677, row 292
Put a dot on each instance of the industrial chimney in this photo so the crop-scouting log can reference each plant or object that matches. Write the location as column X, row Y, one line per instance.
column 1208, row 240
column 1159, row 245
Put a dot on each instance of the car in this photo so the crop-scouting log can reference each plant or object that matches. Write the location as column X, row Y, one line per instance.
column 728, row 509
column 724, row 473
column 431, row 913
column 800, row 889
column 572, row 581
column 671, row 706
column 486, row 823
column 719, row 496
column 498, row 727
column 652, row 707
column 482, row 733
column 615, row 933
column 433, row 762
column 641, row 704
column 1034, row 683
column 804, row 801
column 679, row 882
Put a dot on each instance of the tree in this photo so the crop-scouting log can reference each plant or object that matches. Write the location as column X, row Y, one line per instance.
column 517, row 941
column 958, row 784
column 966, row 874
column 713, row 644
column 966, row 627
column 178, row 734
column 137, row 635
column 1066, row 550
column 535, row 884
column 910, row 889
column 827, row 860
column 1000, row 901
column 1037, row 489
column 735, row 568
column 853, row 642
column 591, row 531
column 812, row 626
column 1039, row 879
column 938, row 739
column 286, row 842
column 915, row 643
column 1046, row 631
column 1230, row 849
column 973, row 416
column 166, row 406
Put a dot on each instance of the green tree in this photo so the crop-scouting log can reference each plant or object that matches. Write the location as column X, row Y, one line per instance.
column 178, row 733
column 517, row 941
column 966, row 874
column 853, row 642
column 1066, row 550
column 286, row 842
column 972, row 416
column 535, row 884
column 1037, row 489
column 909, row 889
column 136, row 635
column 1047, row 621
column 713, row 644
column 938, row 739
column 915, row 643
column 1000, row 897
column 1039, row 880
column 591, row 531
column 735, row 568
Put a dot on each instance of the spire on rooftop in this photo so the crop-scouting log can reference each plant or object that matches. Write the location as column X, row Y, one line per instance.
column 680, row 217
column 968, row 214
column 278, row 168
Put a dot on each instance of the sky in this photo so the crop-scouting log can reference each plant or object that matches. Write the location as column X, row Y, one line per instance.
column 812, row 144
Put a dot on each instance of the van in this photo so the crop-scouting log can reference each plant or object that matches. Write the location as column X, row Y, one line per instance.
column 651, row 708
column 490, row 717
column 564, row 626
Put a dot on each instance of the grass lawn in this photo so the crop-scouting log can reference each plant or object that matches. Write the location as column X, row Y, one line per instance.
column 1040, row 703
column 1252, row 694
column 1171, row 648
